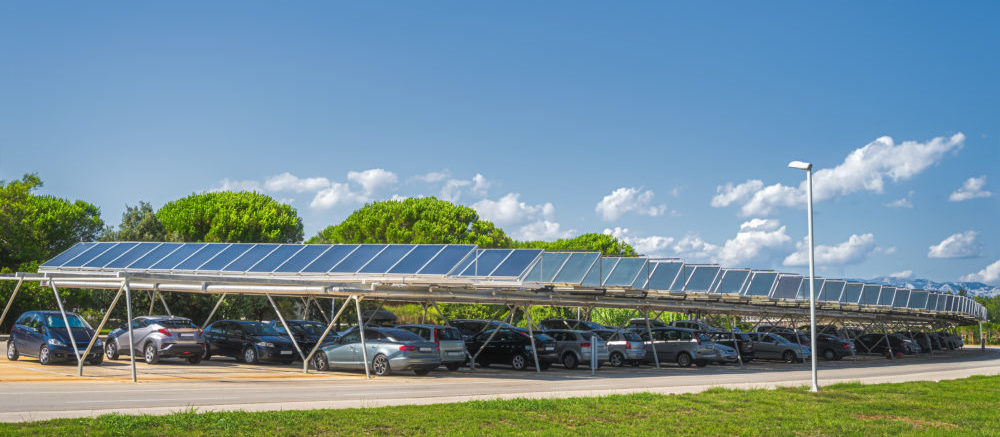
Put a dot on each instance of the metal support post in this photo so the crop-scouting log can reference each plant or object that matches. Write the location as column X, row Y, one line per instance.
column 423, row 313
column 320, row 308
column 17, row 287
column 361, row 330
column 152, row 301
column 732, row 333
column 164, row 302
column 888, row 344
column 69, row 331
column 97, row 333
column 798, row 339
column 131, row 336
column 982, row 340
column 287, row 329
column 593, row 354
column 212, row 313
column 652, row 342
column 531, row 336
column 374, row 313
column 319, row 342
column 472, row 359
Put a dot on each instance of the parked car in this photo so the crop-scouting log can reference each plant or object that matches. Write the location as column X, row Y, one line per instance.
column 43, row 334
column 910, row 347
column 950, row 341
column 471, row 327
column 575, row 347
column 792, row 336
column 876, row 343
column 624, row 347
column 512, row 346
column 572, row 324
column 448, row 339
column 725, row 354
column 306, row 333
column 831, row 347
column 640, row 324
column 937, row 343
column 734, row 340
column 157, row 337
column 774, row 328
column 772, row 346
column 697, row 325
column 678, row 345
column 920, row 338
column 247, row 341
column 388, row 350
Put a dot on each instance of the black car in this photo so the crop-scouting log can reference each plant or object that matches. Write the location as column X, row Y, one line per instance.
column 512, row 346
column 922, row 339
column 571, row 324
column 250, row 342
column 875, row 343
column 306, row 333
column 472, row 327
column 735, row 340
column 831, row 347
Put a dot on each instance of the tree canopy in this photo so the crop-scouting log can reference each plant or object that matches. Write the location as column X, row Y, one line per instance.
column 231, row 217
column 139, row 223
column 592, row 242
column 417, row 221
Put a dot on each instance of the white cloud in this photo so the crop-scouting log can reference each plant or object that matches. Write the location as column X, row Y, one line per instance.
column 960, row 245
column 509, row 210
column 757, row 242
column 289, row 182
column 234, row 185
column 623, row 200
column 542, row 230
column 971, row 189
column 452, row 189
column 653, row 245
column 855, row 250
column 336, row 194
column 905, row 274
column 372, row 180
column 432, row 177
column 905, row 202
column 480, row 184
column 989, row 275
column 864, row 169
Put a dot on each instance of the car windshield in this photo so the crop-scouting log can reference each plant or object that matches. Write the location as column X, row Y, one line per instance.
column 448, row 334
column 56, row 321
column 177, row 324
column 311, row 328
column 401, row 335
column 779, row 339
column 257, row 328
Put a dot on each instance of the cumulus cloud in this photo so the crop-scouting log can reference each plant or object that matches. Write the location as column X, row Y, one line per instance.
column 289, row 182
column 235, row 185
column 509, row 210
column 905, row 202
column 453, row 188
column 623, row 200
column 432, row 177
column 334, row 195
column 864, row 169
column 758, row 242
column 989, row 275
column 542, row 230
column 853, row 251
column 971, row 189
column 652, row 245
column 372, row 180
column 960, row 245
column 905, row 274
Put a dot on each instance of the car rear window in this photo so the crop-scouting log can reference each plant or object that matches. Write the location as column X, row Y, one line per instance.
column 257, row 328
column 177, row 324
column 448, row 334
column 401, row 335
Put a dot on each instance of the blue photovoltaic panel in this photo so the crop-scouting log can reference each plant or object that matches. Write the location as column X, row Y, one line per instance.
column 323, row 263
column 918, row 300
column 201, row 257
column 661, row 277
column 110, row 255
column 832, row 289
column 445, row 262
column 869, row 294
column 950, row 303
column 225, row 257
column 87, row 255
column 576, row 268
column 885, row 295
column 177, row 256
column 761, row 283
column 416, row 259
column 488, row 260
column 902, row 295
column 68, row 254
column 852, row 292
column 607, row 266
column 132, row 255
column 547, row 267
column 276, row 258
column 702, row 279
column 787, row 287
column 250, row 257
column 625, row 272
column 516, row 263
column 931, row 301
column 387, row 258
column 732, row 281
column 364, row 253
column 154, row 255
column 304, row 257
column 804, row 288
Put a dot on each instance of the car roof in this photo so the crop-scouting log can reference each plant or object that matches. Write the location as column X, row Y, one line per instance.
column 425, row 325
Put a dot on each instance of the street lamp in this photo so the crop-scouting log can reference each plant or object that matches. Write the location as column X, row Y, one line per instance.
column 812, row 268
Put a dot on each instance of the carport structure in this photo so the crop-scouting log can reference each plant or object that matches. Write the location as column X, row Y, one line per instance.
column 446, row 273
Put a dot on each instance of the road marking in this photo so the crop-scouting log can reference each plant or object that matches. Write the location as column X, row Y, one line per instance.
column 152, row 400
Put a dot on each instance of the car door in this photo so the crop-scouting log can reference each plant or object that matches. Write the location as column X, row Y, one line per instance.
column 29, row 334
column 342, row 353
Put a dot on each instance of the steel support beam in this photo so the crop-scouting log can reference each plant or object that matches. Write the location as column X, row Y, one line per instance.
column 531, row 336
column 62, row 311
column 212, row 313
column 97, row 333
column 361, row 330
column 652, row 341
column 288, row 330
column 319, row 342
column 131, row 336
column 17, row 287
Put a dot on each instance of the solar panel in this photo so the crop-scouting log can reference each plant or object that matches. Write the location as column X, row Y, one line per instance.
column 576, row 267
column 900, row 300
column 277, row 257
column 885, row 295
column 804, row 288
column 516, row 263
column 68, row 254
column 155, row 255
column 132, row 255
column 486, row 260
column 869, row 294
column 950, row 304
column 331, row 257
column 663, row 275
column 702, row 279
column 625, row 272
column 787, row 287
column 832, row 290
column 444, row 262
column 547, row 267
column 225, row 257
column 250, row 258
column 852, row 292
column 761, row 283
column 732, row 281
column 387, row 258
column 416, row 259
column 931, row 301
column 201, row 256
column 303, row 258
column 87, row 255
column 109, row 255
column 918, row 300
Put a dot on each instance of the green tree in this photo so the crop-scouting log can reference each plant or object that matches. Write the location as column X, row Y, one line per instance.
column 231, row 217
column 592, row 242
column 139, row 223
column 417, row 221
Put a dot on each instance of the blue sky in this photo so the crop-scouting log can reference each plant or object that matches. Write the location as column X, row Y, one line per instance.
column 669, row 125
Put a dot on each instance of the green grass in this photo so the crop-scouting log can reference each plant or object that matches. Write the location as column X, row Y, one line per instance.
column 960, row 407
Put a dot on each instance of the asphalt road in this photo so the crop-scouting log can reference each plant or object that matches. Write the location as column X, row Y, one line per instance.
column 81, row 397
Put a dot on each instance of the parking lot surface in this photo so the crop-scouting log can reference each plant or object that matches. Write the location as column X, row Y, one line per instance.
column 29, row 391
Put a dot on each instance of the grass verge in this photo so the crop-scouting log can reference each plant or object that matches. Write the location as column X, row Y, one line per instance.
column 958, row 407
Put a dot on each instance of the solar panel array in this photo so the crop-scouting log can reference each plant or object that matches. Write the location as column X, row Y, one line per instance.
column 588, row 269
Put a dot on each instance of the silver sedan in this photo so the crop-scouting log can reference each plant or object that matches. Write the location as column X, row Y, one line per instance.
column 388, row 350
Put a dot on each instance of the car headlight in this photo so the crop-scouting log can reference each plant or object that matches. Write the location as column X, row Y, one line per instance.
column 56, row 342
column 265, row 344
column 98, row 343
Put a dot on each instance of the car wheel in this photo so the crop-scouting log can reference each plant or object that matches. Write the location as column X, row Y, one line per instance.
column 97, row 360
column 617, row 359
column 380, row 365
column 788, row 356
column 519, row 362
column 44, row 356
column 250, row 355
column 321, row 362
column 110, row 350
column 150, row 353
column 12, row 351
column 195, row 359
column 684, row 360
column 453, row 366
column 208, row 354
column 421, row 372
column 829, row 355
column 569, row 361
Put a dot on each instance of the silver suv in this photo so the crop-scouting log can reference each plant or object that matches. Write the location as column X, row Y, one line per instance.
column 624, row 347
column 158, row 337
column 575, row 347
column 679, row 345
column 448, row 339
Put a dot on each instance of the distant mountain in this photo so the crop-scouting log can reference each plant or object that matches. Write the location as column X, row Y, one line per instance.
column 973, row 288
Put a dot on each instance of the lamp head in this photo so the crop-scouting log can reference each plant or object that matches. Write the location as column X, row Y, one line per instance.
column 800, row 165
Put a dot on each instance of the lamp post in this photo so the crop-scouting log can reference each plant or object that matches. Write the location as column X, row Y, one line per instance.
column 812, row 268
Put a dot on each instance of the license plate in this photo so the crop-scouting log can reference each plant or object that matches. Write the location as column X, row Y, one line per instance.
column 550, row 348
column 425, row 349
column 455, row 353
column 187, row 337
column 286, row 352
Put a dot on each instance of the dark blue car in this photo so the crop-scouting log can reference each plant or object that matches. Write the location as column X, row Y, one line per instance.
column 43, row 334
column 250, row 342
